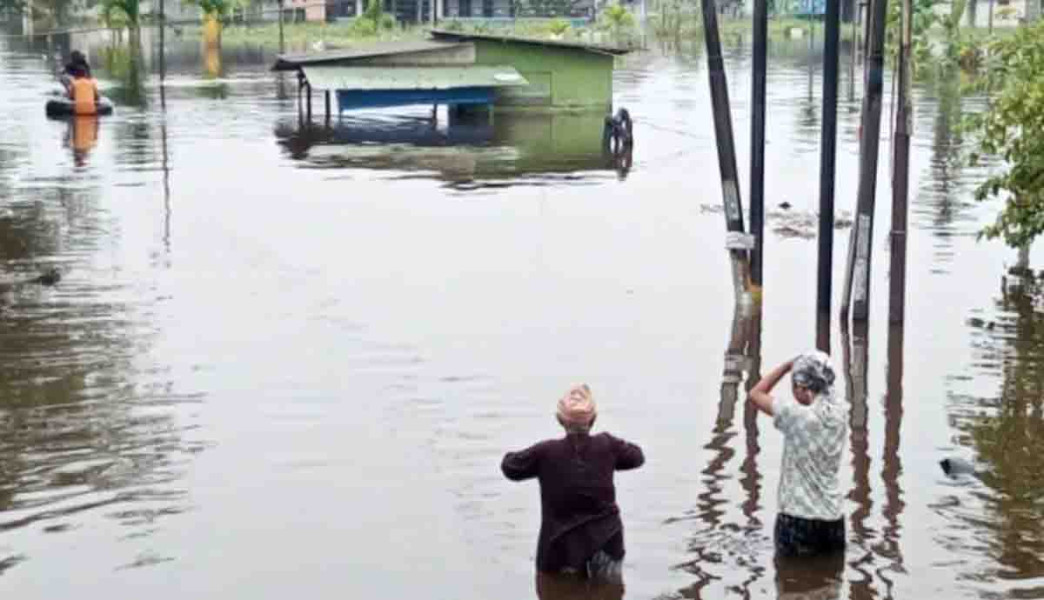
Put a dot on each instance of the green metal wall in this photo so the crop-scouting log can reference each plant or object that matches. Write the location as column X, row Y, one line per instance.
column 559, row 78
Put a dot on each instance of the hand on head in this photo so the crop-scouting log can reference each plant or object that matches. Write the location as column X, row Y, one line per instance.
column 576, row 409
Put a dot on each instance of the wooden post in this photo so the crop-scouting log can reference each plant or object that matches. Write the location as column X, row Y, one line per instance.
column 901, row 176
column 726, row 148
column 857, row 277
column 309, row 95
column 327, row 98
column 757, row 141
column 827, row 158
column 991, row 17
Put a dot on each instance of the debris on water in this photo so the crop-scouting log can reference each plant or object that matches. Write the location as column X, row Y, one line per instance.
column 803, row 224
column 978, row 323
column 956, row 467
column 795, row 232
column 49, row 277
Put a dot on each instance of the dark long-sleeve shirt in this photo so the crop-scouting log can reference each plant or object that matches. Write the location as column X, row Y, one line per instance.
column 579, row 515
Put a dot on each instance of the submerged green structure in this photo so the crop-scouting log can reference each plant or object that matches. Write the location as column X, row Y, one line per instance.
column 561, row 75
column 461, row 70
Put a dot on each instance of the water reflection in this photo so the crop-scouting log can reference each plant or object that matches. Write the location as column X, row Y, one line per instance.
column 717, row 539
column 87, row 430
column 819, row 578
column 889, row 547
column 558, row 587
column 82, row 136
column 854, row 348
column 1007, row 431
column 463, row 151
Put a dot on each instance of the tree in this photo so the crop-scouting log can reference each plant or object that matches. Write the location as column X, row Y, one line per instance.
column 121, row 12
column 216, row 9
column 1012, row 128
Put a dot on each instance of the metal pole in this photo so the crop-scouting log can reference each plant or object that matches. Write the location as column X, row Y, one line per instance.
column 857, row 276
column 828, row 156
column 327, row 94
column 901, row 177
column 757, row 143
column 309, row 95
column 991, row 17
column 282, row 40
column 163, row 49
column 726, row 147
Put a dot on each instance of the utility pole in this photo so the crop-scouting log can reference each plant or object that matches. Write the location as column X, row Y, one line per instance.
column 901, row 176
column 726, row 148
column 857, row 276
column 827, row 160
column 757, row 142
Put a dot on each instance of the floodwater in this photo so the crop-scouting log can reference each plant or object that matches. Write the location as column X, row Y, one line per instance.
column 287, row 362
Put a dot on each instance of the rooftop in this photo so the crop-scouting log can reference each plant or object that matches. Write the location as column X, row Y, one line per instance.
column 291, row 62
column 451, row 36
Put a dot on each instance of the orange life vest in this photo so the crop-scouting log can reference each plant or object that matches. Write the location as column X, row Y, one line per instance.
column 83, row 91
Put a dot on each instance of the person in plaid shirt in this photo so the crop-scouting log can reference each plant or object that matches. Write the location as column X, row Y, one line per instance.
column 814, row 424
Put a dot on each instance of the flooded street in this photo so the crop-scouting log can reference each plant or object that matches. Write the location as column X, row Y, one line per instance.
column 287, row 363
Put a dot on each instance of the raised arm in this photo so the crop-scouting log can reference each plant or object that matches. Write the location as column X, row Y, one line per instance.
column 761, row 395
column 628, row 455
column 522, row 465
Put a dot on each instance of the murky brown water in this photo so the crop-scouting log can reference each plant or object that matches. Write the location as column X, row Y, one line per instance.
column 287, row 363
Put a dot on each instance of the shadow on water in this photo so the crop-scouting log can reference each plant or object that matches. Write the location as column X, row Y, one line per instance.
column 469, row 153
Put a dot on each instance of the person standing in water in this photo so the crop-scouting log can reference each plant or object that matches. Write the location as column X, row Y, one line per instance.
column 580, row 531
column 814, row 424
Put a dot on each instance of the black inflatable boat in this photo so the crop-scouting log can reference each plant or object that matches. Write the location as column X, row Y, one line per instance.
column 59, row 106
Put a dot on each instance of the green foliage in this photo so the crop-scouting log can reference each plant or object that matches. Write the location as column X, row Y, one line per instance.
column 558, row 27
column 617, row 15
column 373, row 20
column 618, row 20
column 924, row 17
column 1013, row 129
column 216, row 8
column 675, row 19
column 120, row 13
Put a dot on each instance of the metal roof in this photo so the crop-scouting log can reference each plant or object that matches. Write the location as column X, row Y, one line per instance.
column 442, row 34
column 290, row 62
column 330, row 77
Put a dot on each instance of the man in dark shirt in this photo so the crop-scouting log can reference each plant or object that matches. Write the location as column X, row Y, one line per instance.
column 580, row 531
